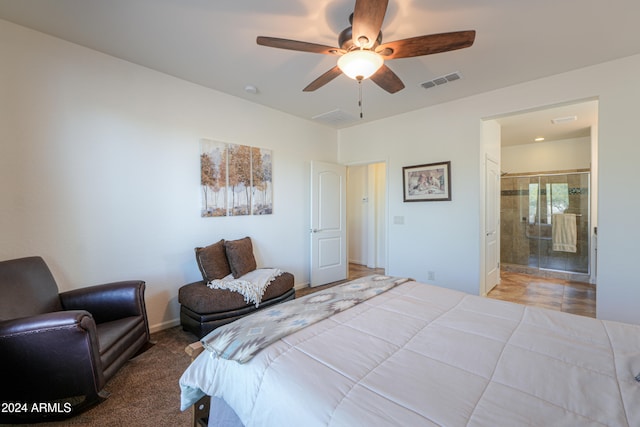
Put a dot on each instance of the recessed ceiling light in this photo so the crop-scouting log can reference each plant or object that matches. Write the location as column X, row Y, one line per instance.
column 539, row 139
column 251, row 89
column 566, row 119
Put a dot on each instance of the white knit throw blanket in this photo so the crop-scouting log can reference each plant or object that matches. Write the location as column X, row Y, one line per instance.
column 252, row 285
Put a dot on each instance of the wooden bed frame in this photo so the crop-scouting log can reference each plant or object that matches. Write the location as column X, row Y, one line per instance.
column 200, row 410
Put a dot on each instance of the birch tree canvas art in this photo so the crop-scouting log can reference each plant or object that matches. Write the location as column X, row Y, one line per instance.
column 213, row 178
column 261, row 189
column 235, row 179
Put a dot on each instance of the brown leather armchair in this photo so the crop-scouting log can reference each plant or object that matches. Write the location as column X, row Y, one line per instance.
column 57, row 350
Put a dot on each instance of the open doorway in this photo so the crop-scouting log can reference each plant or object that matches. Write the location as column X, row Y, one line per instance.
column 366, row 218
column 548, row 206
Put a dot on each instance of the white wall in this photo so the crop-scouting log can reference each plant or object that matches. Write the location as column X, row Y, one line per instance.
column 99, row 170
column 445, row 237
column 568, row 154
column 435, row 236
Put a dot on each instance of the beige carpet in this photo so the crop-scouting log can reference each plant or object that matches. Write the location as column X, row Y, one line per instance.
column 145, row 391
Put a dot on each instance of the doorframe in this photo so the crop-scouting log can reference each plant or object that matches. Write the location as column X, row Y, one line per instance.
column 490, row 137
column 386, row 205
column 486, row 287
column 488, row 146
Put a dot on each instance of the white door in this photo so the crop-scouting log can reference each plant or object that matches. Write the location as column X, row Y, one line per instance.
column 492, row 224
column 328, row 223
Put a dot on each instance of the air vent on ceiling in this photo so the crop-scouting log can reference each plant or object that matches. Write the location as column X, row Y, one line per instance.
column 335, row 117
column 567, row 119
column 441, row 80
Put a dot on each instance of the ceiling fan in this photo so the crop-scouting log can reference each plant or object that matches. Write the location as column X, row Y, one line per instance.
column 362, row 53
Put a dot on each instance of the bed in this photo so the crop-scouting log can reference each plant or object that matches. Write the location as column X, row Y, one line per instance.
column 418, row 354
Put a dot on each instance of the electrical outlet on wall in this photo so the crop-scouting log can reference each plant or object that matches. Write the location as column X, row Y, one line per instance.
column 431, row 275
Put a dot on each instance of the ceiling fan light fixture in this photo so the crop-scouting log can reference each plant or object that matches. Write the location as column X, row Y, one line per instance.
column 360, row 64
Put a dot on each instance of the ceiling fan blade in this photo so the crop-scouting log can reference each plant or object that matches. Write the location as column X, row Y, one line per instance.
column 323, row 79
column 367, row 21
column 387, row 80
column 426, row 45
column 299, row 46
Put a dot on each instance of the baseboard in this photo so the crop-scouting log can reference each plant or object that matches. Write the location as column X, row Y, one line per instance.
column 164, row 325
column 301, row 285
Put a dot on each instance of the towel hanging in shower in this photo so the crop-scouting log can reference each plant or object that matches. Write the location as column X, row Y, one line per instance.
column 564, row 232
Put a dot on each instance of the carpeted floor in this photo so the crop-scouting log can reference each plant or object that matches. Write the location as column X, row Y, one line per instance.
column 145, row 391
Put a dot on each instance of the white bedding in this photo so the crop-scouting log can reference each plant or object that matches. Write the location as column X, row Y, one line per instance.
column 423, row 355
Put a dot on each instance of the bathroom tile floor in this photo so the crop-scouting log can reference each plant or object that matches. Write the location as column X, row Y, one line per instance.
column 555, row 294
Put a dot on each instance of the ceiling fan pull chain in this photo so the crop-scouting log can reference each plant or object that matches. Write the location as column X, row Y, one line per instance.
column 360, row 96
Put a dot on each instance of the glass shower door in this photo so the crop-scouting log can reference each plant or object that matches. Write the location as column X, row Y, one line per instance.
column 518, row 221
column 564, row 205
column 529, row 207
column 536, row 226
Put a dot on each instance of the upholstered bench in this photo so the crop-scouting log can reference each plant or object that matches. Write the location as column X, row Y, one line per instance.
column 203, row 309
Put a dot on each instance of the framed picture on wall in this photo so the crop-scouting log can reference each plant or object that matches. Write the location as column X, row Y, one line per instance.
column 235, row 179
column 427, row 183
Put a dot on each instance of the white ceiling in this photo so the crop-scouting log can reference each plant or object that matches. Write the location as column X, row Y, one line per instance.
column 213, row 43
column 573, row 120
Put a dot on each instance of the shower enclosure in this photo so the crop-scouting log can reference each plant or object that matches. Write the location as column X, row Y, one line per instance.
column 545, row 224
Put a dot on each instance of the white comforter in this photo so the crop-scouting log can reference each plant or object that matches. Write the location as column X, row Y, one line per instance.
column 420, row 355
